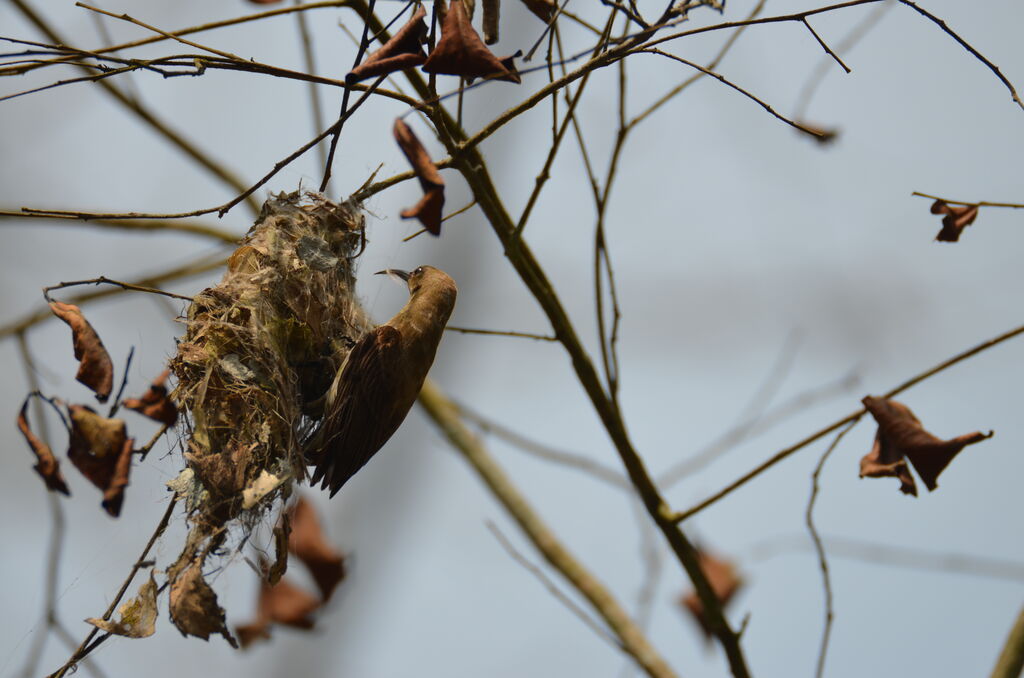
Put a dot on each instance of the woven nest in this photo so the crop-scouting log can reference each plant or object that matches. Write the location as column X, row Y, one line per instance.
column 259, row 353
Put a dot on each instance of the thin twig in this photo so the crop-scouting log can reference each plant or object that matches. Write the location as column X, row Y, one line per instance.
column 103, row 280
column 632, row 639
column 551, row 586
column 982, row 203
column 824, row 45
column 967, row 46
column 823, row 67
column 461, row 210
column 203, row 265
column 223, row 23
column 874, row 553
column 364, row 42
column 85, row 648
column 571, row 460
column 747, row 429
column 784, row 453
column 58, row 528
column 819, row 547
column 145, row 449
column 501, row 333
column 143, row 113
column 722, row 79
column 203, row 230
column 309, row 57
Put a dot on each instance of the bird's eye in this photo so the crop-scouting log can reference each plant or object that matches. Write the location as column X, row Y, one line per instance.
column 418, row 271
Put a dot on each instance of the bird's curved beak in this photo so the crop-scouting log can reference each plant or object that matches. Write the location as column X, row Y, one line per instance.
column 394, row 272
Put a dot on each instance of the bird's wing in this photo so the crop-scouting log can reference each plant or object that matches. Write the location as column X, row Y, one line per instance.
column 358, row 422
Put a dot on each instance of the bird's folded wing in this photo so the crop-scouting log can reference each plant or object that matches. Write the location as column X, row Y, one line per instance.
column 357, row 421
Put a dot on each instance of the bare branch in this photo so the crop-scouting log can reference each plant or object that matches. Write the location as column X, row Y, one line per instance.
column 855, row 416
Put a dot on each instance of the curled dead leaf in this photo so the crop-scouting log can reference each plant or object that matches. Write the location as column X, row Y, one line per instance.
column 956, row 219
column 460, row 51
column 102, row 451
column 137, row 616
column 492, row 18
column 155, row 402
column 428, row 209
column 282, row 532
column 193, row 605
column 404, row 50
column 725, row 583
column 282, row 603
column 542, row 9
column 95, row 368
column 309, row 545
column 46, row 465
column 901, row 436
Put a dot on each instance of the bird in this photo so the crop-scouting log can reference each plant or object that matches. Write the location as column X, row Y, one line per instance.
column 379, row 381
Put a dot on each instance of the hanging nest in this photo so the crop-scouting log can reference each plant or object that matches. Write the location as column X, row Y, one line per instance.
column 260, row 352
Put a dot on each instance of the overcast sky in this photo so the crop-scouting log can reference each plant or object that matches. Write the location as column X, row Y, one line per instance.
column 737, row 244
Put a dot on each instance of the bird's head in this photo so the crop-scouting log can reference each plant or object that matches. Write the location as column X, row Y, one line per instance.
column 425, row 280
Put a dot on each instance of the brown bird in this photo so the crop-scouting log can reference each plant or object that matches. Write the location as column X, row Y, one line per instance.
column 380, row 379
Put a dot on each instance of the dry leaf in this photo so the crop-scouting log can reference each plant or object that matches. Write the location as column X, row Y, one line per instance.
column 428, row 209
column 222, row 474
column 542, row 9
column 47, row 465
column 492, row 17
column 282, row 533
column 308, row 544
column 137, row 616
column 194, row 608
column 460, row 51
column 95, row 369
column 724, row 581
column 282, row 603
column 901, row 436
column 404, row 50
column 101, row 449
column 155, row 402
column 956, row 219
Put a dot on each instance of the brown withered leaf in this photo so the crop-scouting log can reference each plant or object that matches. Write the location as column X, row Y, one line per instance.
column 428, row 209
column 404, row 50
column 460, row 51
column 492, row 19
column 308, row 544
column 223, row 473
column 956, row 219
column 282, row 534
column 542, row 9
column 193, row 605
column 101, row 449
column 95, row 368
column 47, row 465
column 724, row 581
column 137, row 616
column 282, row 603
column 155, row 402
column 901, row 436
column 885, row 460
